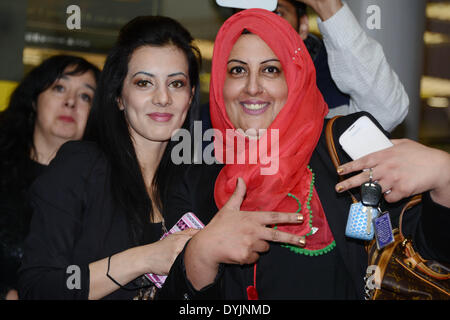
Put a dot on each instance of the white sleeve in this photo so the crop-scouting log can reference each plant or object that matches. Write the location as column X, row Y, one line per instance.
column 359, row 68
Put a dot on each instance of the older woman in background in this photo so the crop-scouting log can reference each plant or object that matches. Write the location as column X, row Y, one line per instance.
column 48, row 108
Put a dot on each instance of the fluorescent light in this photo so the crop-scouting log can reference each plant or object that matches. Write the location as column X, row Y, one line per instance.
column 438, row 102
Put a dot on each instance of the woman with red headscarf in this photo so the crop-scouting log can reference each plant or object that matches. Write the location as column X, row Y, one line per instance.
column 276, row 234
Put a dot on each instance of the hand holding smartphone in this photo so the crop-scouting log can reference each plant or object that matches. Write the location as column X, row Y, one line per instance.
column 362, row 138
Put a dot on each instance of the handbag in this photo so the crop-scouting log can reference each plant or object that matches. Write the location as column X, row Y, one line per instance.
column 398, row 272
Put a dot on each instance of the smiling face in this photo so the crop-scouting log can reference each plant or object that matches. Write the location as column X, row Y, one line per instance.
column 156, row 92
column 255, row 88
column 63, row 108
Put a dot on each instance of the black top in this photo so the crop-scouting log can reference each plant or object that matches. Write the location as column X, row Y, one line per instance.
column 282, row 274
column 74, row 223
column 15, row 216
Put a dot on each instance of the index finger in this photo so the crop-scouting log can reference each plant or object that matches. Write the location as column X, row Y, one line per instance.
column 368, row 161
column 273, row 217
column 274, row 235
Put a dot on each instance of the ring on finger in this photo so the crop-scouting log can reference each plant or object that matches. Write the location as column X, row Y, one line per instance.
column 387, row 191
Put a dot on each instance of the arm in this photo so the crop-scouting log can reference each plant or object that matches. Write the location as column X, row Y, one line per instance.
column 127, row 265
column 358, row 65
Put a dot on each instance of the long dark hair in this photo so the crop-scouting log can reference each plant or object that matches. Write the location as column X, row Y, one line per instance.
column 108, row 127
column 18, row 120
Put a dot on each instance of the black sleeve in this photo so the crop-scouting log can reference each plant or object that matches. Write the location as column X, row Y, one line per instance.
column 180, row 198
column 58, row 199
column 178, row 287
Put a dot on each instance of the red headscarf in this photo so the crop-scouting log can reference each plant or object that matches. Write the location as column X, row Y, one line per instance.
column 299, row 123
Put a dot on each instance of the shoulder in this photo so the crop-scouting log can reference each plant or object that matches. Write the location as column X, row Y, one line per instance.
column 79, row 149
column 74, row 161
column 77, row 154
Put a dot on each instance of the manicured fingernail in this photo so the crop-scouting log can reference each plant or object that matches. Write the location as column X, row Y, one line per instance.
column 300, row 218
column 339, row 188
column 340, row 170
column 302, row 242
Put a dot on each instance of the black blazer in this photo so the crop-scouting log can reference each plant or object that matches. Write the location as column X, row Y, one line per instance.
column 74, row 223
column 193, row 191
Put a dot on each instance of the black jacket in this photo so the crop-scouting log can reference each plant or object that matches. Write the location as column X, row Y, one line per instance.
column 15, row 216
column 74, row 223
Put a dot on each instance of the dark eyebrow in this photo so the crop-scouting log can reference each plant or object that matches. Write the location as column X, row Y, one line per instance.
column 235, row 60
column 89, row 86
column 265, row 61
column 152, row 75
column 177, row 74
column 270, row 60
column 143, row 72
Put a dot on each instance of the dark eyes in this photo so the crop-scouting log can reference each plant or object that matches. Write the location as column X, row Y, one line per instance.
column 177, row 84
column 143, row 83
column 86, row 98
column 271, row 69
column 174, row 84
column 239, row 70
column 58, row 88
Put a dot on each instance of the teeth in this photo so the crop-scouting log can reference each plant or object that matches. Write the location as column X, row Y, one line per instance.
column 256, row 106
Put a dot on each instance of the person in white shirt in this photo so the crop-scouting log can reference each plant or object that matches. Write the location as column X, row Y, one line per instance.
column 352, row 73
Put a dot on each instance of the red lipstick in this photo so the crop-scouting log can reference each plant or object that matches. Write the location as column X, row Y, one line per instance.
column 66, row 118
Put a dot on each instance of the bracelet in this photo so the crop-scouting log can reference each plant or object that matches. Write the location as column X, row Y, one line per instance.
column 118, row 284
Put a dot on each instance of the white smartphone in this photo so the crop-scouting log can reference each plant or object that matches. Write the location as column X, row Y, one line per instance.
column 362, row 138
column 270, row 5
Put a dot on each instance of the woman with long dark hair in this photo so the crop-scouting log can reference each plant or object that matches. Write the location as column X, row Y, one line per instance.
column 48, row 108
column 99, row 202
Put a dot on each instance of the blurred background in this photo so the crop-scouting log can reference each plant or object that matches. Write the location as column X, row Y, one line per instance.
column 415, row 35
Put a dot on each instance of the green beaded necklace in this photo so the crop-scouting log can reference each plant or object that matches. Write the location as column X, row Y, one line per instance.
column 308, row 206
column 308, row 200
